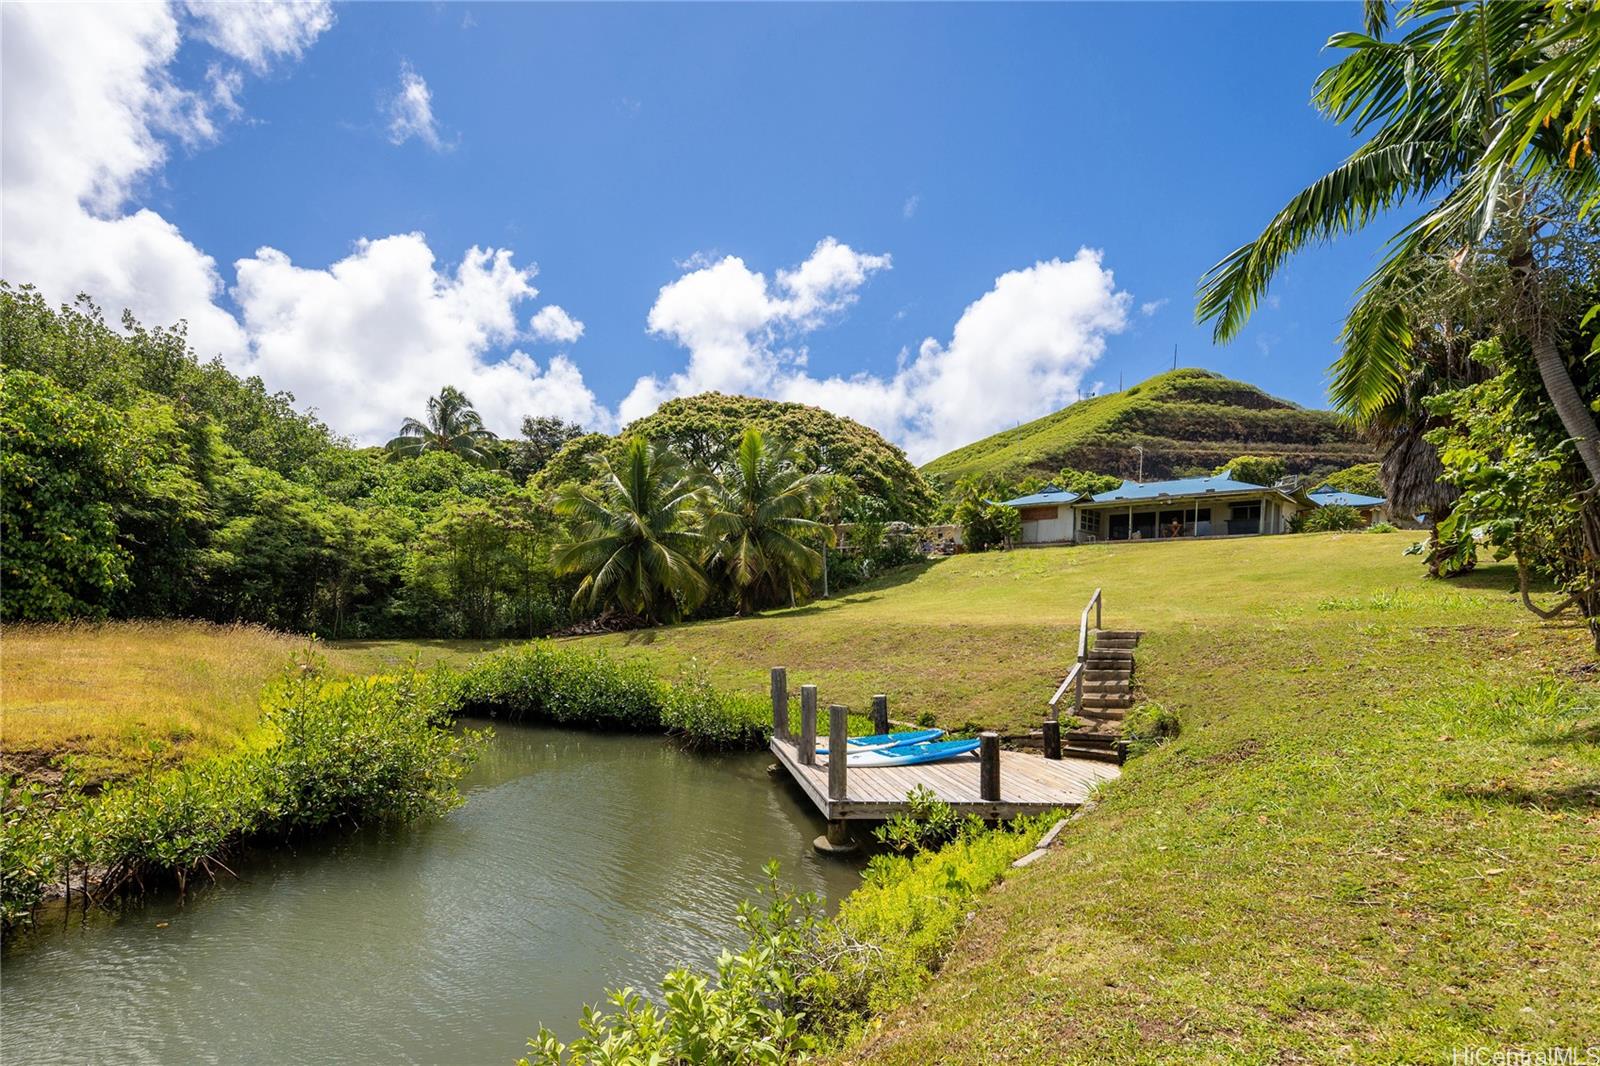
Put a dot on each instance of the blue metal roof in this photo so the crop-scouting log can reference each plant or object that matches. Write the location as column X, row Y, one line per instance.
column 1045, row 496
column 1187, row 486
column 1347, row 499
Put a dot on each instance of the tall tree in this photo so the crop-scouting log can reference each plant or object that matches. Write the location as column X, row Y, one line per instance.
column 760, row 512
column 1446, row 110
column 634, row 539
column 542, row 437
column 452, row 425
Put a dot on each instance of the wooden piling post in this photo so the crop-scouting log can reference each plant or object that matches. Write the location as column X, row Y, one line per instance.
column 808, row 725
column 1052, row 738
column 838, row 749
column 880, row 713
column 989, row 766
column 780, row 703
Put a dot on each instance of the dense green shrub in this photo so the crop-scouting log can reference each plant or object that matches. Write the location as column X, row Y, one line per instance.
column 329, row 752
column 546, row 682
column 927, row 824
column 1332, row 518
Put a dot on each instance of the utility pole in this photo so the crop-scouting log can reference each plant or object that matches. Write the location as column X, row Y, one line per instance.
column 1140, row 449
column 1174, row 357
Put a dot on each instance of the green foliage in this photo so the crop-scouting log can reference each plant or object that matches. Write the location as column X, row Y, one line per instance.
column 635, row 543
column 1522, row 493
column 452, row 425
column 1255, row 469
column 1185, row 418
column 909, row 909
column 65, row 463
column 1332, row 518
column 748, row 1012
column 927, row 824
column 328, row 752
column 706, row 430
column 139, row 483
column 984, row 524
column 1382, row 527
column 801, row 983
column 547, row 682
column 1361, row 479
column 757, row 518
column 1149, row 724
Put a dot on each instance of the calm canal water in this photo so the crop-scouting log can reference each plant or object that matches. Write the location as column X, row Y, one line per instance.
column 580, row 861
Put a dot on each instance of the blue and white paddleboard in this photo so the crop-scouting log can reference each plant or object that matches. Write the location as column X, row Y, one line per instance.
column 889, row 740
column 912, row 754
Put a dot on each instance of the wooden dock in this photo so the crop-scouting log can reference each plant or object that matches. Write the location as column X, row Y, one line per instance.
column 1029, row 784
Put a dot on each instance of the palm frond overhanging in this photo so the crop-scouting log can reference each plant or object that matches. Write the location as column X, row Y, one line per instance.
column 1476, row 112
column 760, row 513
column 635, row 539
column 452, row 425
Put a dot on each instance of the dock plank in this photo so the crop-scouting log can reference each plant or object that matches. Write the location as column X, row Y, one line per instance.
column 1028, row 784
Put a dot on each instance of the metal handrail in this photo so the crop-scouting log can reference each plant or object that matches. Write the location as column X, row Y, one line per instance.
column 1075, row 675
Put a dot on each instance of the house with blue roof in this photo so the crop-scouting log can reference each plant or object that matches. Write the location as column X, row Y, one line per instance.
column 1372, row 508
column 1215, row 506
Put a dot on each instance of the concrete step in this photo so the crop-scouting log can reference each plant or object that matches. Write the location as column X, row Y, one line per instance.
column 1092, row 674
column 1110, row 653
column 1119, row 634
column 1092, row 738
column 1109, row 685
column 1116, row 642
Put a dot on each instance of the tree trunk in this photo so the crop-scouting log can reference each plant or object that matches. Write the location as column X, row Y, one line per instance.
column 1576, row 418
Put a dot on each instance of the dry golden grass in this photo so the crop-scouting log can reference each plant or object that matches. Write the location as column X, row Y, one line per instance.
column 122, row 695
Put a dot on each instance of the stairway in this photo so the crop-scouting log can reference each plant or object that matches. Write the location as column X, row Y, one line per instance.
column 1107, row 695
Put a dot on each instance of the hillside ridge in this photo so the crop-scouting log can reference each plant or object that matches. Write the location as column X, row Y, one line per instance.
column 1186, row 420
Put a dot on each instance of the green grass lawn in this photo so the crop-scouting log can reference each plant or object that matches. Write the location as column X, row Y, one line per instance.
column 124, row 695
column 1377, row 838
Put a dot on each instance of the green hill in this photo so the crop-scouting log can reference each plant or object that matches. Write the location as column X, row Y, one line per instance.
column 1186, row 420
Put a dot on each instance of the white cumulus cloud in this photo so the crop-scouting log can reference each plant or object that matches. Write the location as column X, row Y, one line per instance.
column 371, row 337
column 554, row 325
column 258, row 34
column 733, row 321
column 89, row 105
column 1017, row 352
column 410, row 111
column 1150, row 307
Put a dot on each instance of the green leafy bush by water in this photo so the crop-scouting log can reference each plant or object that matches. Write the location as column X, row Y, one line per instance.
column 329, row 752
column 803, row 984
column 927, row 824
column 546, row 682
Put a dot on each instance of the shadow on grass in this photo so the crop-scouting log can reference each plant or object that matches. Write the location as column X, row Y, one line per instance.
column 1584, row 796
column 1501, row 577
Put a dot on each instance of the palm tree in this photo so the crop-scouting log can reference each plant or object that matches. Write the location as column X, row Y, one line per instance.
column 635, row 542
column 758, row 510
column 452, row 426
column 1457, row 115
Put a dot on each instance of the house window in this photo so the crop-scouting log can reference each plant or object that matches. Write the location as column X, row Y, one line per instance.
column 1245, row 511
column 1089, row 521
column 1038, row 514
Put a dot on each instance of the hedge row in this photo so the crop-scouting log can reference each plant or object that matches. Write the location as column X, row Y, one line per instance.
column 547, row 682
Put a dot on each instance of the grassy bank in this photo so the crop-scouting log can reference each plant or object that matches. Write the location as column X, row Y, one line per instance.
column 1375, row 839
column 123, row 696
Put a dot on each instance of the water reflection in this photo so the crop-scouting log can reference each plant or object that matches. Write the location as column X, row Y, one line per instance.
column 580, row 861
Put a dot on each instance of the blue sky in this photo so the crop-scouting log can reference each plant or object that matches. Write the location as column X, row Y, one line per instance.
column 620, row 148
